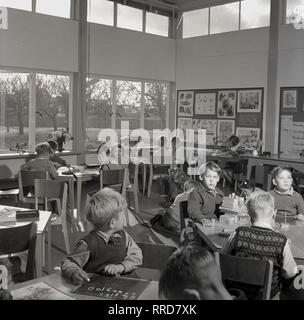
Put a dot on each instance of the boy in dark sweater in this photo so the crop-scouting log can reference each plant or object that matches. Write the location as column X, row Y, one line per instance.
column 58, row 162
column 108, row 249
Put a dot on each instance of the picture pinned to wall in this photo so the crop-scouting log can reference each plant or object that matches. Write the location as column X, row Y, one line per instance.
column 184, row 123
column 225, row 129
column 205, row 103
column 249, row 100
column 185, row 103
column 210, row 126
column 226, row 104
column 290, row 99
column 249, row 137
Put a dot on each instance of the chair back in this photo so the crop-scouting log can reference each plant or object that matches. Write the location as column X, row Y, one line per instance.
column 247, row 271
column 155, row 256
column 18, row 239
column 202, row 239
column 184, row 221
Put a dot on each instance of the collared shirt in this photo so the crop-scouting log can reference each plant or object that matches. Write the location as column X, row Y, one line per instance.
column 289, row 267
column 81, row 255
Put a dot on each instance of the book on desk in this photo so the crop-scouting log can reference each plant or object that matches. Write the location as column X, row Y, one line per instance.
column 11, row 215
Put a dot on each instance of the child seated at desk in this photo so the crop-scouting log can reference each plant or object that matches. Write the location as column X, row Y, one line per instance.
column 260, row 241
column 42, row 161
column 108, row 249
column 287, row 200
column 58, row 162
column 193, row 274
column 203, row 203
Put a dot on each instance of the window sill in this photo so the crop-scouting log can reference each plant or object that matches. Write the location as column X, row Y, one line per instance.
column 12, row 155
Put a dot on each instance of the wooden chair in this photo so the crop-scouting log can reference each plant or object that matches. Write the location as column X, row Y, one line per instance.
column 185, row 223
column 51, row 190
column 157, row 173
column 18, row 239
column 247, row 271
column 132, row 187
column 202, row 239
column 26, row 180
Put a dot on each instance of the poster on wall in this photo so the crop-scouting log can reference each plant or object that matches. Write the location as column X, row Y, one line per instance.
column 249, row 137
column 286, row 134
column 205, row 103
column 249, row 100
column 226, row 104
column 225, row 129
column 290, row 99
column 184, row 123
column 185, row 103
column 210, row 126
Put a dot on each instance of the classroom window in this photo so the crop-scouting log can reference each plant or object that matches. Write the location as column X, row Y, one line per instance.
column 129, row 18
column 101, row 11
column 255, row 14
column 52, row 106
column 294, row 11
column 195, row 23
column 155, row 105
column 58, row 8
column 17, row 4
column 157, row 24
column 14, row 110
column 224, row 18
column 99, row 109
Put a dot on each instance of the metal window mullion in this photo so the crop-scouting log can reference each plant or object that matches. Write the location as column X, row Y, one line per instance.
column 32, row 112
column 33, row 5
column 209, row 15
column 144, row 20
column 70, row 120
column 240, row 11
column 115, row 14
column 168, row 104
column 113, row 117
column 142, row 106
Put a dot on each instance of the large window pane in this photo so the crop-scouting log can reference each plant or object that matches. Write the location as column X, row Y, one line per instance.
column 294, row 11
column 155, row 105
column 59, row 8
column 157, row 24
column 101, row 11
column 99, row 109
column 14, row 110
column 255, row 14
column 17, row 4
column 52, row 107
column 224, row 18
column 129, row 18
column 195, row 23
column 128, row 98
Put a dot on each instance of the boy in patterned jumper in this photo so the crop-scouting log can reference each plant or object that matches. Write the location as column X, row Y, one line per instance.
column 108, row 249
column 260, row 241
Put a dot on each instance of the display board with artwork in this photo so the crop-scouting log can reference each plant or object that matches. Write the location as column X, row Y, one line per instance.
column 224, row 112
column 291, row 128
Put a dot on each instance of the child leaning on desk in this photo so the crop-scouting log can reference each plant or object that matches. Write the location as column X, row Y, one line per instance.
column 203, row 203
column 108, row 249
column 260, row 241
column 287, row 200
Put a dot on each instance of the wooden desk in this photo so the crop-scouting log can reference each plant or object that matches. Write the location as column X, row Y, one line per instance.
column 56, row 281
column 295, row 234
column 42, row 224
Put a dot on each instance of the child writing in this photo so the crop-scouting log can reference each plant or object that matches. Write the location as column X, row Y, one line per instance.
column 287, row 200
column 108, row 249
column 203, row 203
column 260, row 241
column 42, row 161
column 58, row 162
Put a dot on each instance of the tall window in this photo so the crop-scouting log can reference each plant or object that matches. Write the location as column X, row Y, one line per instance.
column 294, row 11
column 17, row 4
column 101, row 11
column 52, row 106
column 99, row 109
column 14, row 110
column 195, row 23
column 59, row 8
column 129, row 18
column 224, row 18
column 157, row 24
column 255, row 14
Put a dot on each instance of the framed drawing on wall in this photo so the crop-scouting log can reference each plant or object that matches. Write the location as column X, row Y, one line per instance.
column 249, row 100
column 226, row 104
column 290, row 99
column 249, row 137
column 210, row 126
column 225, row 129
column 185, row 103
column 205, row 103
column 184, row 123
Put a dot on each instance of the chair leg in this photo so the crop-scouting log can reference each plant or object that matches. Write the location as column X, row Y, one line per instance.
column 66, row 236
column 49, row 249
column 136, row 206
column 43, row 250
column 144, row 179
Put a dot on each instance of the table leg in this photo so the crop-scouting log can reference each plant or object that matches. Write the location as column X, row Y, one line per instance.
column 39, row 254
column 79, row 192
column 250, row 165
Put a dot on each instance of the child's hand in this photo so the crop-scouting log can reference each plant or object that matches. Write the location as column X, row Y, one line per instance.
column 300, row 217
column 206, row 222
column 114, row 269
column 80, row 277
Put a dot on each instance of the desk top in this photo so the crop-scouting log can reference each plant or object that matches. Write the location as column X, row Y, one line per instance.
column 44, row 217
column 276, row 157
column 65, row 286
